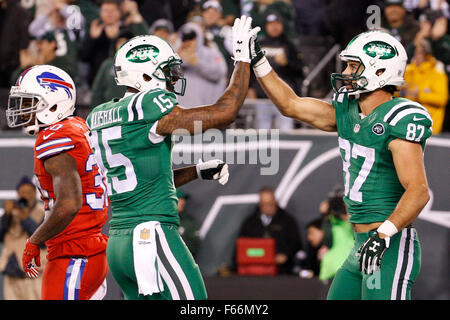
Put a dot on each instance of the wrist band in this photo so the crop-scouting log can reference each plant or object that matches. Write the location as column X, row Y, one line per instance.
column 262, row 68
column 387, row 228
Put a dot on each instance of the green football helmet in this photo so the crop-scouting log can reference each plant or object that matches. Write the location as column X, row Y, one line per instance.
column 382, row 61
column 148, row 62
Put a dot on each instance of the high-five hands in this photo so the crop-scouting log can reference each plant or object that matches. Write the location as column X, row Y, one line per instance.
column 242, row 35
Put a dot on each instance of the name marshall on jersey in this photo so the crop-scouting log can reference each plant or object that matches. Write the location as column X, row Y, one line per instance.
column 106, row 117
column 135, row 160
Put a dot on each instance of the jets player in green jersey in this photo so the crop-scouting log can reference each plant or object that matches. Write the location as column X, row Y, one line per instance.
column 131, row 139
column 382, row 141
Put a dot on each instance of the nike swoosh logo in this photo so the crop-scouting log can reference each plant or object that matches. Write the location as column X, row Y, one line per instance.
column 417, row 119
column 48, row 136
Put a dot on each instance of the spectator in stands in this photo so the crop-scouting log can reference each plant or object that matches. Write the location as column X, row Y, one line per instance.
column 310, row 17
column 189, row 226
column 99, row 43
column 338, row 236
column 270, row 221
column 14, row 37
column 204, row 67
column 58, row 15
column 66, row 23
column 434, row 28
column 285, row 58
column 20, row 220
column 216, row 31
column 181, row 11
column 163, row 28
column 231, row 9
column 43, row 51
column 418, row 7
column 345, row 19
column 307, row 262
column 427, row 83
column 400, row 23
column 89, row 10
column 258, row 10
column 153, row 10
column 130, row 14
column 105, row 87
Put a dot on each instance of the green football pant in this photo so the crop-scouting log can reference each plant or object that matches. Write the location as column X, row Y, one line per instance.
column 179, row 272
column 399, row 269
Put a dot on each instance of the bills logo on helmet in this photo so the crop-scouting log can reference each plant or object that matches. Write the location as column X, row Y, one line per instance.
column 52, row 81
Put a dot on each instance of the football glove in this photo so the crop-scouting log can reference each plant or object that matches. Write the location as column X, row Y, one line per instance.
column 256, row 52
column 31, row 251
column 213, row 170
column 371, row 252
column 242, row 33
column 260, row 64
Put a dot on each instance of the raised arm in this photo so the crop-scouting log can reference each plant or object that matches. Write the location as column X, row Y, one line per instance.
column 218, row 115
column 224, row 111
column 318, row 113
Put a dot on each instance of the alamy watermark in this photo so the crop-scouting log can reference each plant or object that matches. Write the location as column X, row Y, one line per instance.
column 374, row 20
column 238, row 146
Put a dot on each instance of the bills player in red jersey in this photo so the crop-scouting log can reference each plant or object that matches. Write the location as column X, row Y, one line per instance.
column 70, row 183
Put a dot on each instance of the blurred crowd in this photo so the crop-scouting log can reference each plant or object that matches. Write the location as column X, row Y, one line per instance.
column 81, row 36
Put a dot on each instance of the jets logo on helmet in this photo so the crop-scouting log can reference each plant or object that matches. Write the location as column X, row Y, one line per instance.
column 41, row 96
column 381, row 49
column 382, row 61
column 53, row 82
column 142, row 53
column 149, row 62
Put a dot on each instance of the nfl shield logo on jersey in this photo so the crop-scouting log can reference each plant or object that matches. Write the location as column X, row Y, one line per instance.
column 378, row 129
column 356, row 128
column 145, row 234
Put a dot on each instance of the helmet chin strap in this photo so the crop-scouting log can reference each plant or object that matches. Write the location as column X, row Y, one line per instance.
column 33, row 130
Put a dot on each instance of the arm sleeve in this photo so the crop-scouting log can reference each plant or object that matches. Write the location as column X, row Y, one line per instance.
column 51, row 142
column 413, row 125
column 154, row 104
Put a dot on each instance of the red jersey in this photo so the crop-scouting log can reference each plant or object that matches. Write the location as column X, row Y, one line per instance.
column 82, row 237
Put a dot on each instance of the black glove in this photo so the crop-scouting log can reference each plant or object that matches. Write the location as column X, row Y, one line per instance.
column 255, row 51
column 371, row 252
column 213, row 170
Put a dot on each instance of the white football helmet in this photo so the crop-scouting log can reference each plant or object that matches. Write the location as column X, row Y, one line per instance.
column 44, row 94
column 382, row 61
column 148, row 62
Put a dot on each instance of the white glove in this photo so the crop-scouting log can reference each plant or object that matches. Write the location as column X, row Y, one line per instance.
column 241, row 38
column 213, row 170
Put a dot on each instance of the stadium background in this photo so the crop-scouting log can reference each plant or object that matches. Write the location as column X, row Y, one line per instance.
column 309, row 167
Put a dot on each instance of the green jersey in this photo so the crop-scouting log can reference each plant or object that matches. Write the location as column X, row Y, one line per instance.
column 134, row 158
column 372, row 187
